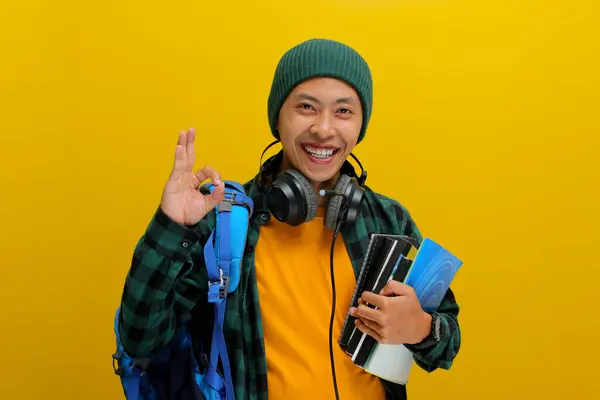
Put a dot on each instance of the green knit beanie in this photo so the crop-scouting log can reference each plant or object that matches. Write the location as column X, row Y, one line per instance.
column 320, row 58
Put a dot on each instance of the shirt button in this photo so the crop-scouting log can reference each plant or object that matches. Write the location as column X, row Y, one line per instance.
column 264, row 217
column 185, row 244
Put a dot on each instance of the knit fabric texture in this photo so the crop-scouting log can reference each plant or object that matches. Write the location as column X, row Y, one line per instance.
column 320, row 58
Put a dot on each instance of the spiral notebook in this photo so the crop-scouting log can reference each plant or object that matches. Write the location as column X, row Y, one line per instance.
column 381, row 262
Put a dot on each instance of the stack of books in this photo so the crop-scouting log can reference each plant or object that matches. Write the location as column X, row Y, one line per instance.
column 428, row 269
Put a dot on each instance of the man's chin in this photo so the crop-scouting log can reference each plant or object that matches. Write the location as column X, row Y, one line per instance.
column 318, row 178
column 319, row 174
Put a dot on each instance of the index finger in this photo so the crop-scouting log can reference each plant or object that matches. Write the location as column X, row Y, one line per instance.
column 394, row 287
column 191, row 153
column 208, row 172
column 374, row 299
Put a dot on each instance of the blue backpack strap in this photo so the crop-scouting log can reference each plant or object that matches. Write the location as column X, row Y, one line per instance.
column 223, row 254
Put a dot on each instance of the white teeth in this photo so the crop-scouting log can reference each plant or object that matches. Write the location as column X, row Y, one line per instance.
column 319, row 152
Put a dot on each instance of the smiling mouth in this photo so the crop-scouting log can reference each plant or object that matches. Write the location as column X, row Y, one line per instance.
column 320, row 153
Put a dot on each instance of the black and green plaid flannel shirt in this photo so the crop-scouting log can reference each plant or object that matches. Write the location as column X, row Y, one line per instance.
column 167, row 286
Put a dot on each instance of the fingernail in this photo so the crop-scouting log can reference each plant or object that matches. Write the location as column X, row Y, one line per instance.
column 352, row 311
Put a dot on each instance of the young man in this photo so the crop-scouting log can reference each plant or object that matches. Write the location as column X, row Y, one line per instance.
column 277, row 321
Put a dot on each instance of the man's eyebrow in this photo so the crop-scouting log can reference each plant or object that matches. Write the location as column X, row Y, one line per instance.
column 306, row 96
column 346, row 100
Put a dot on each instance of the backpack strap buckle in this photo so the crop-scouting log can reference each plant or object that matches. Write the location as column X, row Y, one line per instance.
column 140, row 365
column 226, row 205
column 236, row 199
column 116, row 367
column 217, row 290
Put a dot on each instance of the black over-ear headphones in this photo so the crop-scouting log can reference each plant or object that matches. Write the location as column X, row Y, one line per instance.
column 292, row 199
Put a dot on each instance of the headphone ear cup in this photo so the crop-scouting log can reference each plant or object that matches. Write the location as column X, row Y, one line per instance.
column 309, row 197
column 334, row 206
column 292, row 198
column 355, row 196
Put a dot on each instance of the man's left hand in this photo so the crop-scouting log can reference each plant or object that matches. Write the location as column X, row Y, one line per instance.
column 398, row 319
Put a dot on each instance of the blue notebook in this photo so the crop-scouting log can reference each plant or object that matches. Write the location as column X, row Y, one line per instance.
column 431, row 273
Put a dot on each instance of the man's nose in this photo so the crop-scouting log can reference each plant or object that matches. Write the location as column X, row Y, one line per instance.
column 324, row 125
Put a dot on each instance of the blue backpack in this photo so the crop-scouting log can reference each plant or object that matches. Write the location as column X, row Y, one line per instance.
column 174, row 372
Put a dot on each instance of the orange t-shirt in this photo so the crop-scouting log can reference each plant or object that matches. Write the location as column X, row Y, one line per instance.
column 294, row 283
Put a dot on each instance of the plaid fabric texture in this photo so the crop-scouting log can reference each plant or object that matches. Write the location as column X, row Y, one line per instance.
column 167, row 286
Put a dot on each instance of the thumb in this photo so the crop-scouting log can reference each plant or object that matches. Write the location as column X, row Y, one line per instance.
column 397, row 288
column 213, row 199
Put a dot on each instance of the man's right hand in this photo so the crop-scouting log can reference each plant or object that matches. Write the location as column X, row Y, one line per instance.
column 181, row 199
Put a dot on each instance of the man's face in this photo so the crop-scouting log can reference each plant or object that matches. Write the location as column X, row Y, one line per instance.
column 319, row 124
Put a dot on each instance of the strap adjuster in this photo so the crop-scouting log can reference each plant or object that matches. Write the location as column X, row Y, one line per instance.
column 116, row 367
column 226, row 205
column 235, row 199
column 218, row 289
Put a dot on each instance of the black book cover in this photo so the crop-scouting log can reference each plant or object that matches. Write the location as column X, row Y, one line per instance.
column 373, row 250
column 392, row 261
column 368, row 280
column 403, row 268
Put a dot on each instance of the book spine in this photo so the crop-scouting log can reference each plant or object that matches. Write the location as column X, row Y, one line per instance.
column 348, row 327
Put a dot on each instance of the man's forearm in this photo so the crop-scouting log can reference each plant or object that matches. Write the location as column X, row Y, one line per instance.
column 158, row 283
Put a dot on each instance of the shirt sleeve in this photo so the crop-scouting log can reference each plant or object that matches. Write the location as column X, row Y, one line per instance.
column 165, row 281
column 431, row 354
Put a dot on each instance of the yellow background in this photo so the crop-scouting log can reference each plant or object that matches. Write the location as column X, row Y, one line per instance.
column 490, row 107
